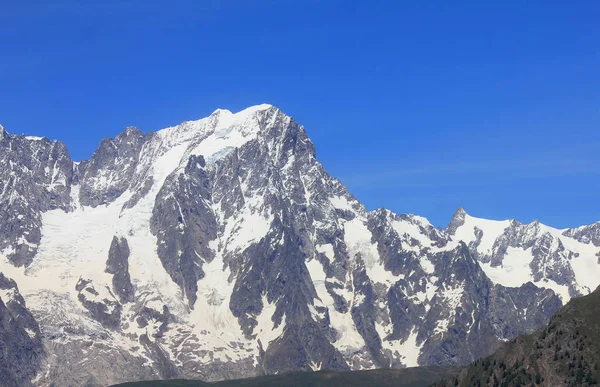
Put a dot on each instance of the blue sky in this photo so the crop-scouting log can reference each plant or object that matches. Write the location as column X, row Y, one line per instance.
column 419, row 107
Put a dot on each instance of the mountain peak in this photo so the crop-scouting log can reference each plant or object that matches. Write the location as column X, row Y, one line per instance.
column 257, row 108
column 132, row 130
column 3, row 132
column 131, row 133
column 225, row 119
column 460, row 212
column 247, row 111
column 458, row 219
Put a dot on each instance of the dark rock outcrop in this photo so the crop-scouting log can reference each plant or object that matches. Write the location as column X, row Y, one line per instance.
column 21, row 351
column 118, row 265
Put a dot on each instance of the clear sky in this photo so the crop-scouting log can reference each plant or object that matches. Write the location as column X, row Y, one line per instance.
column 419, row 106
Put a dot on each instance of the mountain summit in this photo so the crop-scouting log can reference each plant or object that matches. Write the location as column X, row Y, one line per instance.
column 221, row 248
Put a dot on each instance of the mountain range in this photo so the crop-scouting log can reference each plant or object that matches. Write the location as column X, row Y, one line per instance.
column 221, row 248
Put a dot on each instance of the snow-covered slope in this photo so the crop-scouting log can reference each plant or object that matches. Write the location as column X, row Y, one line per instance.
column 221, row 248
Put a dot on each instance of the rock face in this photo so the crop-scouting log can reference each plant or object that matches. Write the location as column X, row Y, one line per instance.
column 118, row 265
column 100, row 303
column 566, row 352
column 21, row 350
column 585, row 234
column 35, row 177
column 108, row 173
column 184, row 223
column 221, row 248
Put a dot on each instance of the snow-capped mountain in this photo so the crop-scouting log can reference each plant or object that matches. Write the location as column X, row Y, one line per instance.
column 220, row 248
column 512, row 254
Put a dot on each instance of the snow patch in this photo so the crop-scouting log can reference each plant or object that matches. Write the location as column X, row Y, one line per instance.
column 340, row 202
column 265, row 330
column 514, row 271
column 246, row 228
column 326, row 249
column 408, row 350
column 427, row 265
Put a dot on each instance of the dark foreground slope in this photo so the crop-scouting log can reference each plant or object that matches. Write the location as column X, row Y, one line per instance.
column 408, row 377
column 564, row 353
